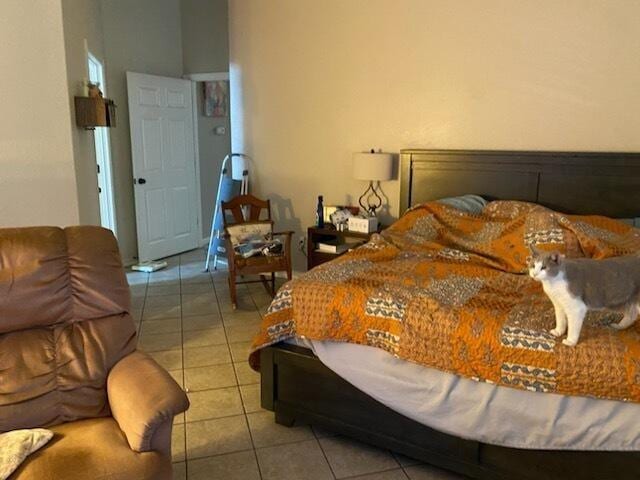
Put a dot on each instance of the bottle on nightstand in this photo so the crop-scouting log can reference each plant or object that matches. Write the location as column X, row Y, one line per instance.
column 320, row 213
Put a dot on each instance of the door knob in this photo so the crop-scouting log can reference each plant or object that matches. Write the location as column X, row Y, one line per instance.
column 142, row 181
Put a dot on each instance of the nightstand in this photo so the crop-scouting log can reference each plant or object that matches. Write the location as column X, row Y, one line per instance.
column 329, row 234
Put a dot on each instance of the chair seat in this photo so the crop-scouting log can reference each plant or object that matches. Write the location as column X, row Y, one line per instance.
column 95, row 448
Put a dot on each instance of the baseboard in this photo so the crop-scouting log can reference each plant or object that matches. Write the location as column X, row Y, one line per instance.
column 127, row 262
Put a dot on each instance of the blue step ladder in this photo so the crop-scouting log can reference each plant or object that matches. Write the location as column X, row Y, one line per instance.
column 233, row 181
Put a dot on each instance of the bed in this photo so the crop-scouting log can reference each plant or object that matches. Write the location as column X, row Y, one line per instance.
column 299, row 387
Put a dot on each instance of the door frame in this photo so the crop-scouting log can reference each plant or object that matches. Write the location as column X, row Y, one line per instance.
column 195, row 79
column 102, row 143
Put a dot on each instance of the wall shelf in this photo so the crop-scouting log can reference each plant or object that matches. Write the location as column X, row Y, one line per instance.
column 94, row 112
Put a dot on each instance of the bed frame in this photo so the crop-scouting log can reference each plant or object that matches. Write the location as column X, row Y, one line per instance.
column 300, row 389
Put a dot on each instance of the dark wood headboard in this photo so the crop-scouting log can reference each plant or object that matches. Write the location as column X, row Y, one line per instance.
column 571, row 182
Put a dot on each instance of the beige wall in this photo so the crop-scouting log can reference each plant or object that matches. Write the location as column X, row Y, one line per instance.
column 82, row 21
column 205, row 36
column 313, row 82
column 140, row 36
column 37, row 177
column 47, row 165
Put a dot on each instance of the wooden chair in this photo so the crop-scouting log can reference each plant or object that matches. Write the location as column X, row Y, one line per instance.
column 233, row 213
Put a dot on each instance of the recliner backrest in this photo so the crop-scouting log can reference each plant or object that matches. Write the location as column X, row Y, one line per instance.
column 64, row 322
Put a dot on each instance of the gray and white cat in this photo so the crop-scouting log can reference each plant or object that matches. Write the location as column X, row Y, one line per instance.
column 577, row 285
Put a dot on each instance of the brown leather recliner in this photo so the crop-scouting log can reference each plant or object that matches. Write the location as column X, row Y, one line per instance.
column 68, row 360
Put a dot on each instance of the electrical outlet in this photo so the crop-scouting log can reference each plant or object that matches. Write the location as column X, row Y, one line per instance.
column 302, row 243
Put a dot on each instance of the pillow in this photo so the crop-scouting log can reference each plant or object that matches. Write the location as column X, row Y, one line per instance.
column 245, row 232
column 16, row 445
column 254, row 238
column 467, row 203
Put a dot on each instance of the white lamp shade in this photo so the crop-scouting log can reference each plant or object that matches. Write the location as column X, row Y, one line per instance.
column 372, row 166
column 238, row 166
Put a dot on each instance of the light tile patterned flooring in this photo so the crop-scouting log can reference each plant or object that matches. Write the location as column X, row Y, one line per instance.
column 186, row 322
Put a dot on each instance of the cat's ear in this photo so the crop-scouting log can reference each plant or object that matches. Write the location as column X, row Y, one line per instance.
column 556, row 257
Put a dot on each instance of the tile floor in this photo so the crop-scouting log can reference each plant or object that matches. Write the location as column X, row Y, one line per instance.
column 186, row 322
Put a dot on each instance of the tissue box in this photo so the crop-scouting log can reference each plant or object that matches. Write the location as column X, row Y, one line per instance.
column 363, row 225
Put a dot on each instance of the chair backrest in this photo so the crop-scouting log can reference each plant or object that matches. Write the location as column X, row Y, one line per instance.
column 238, row 205
column 64, row 323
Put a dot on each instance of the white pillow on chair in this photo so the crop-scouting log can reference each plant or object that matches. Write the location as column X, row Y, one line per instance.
column 17, row 445
column 245, row 232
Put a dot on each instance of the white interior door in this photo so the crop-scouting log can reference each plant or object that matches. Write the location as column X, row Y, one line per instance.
column 162, row 144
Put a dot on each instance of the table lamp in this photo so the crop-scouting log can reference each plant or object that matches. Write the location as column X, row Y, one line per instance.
column 374, row 168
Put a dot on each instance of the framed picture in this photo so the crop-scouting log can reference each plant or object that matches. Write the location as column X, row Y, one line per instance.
column 216, row 98
column 327, row 211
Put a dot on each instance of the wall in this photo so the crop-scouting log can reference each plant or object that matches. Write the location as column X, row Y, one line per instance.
column 205, row 36
column 205, row 49
column 37, row 177
column 82, row 20
column 312, row 82
column 213, row 148
column 141, row 36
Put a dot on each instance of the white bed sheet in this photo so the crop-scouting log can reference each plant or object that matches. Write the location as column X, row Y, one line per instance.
column 482, row 411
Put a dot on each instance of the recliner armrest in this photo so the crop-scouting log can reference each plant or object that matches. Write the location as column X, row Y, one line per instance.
column 144, row 398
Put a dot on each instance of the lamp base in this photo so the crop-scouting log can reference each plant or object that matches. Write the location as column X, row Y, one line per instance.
column 370, row 200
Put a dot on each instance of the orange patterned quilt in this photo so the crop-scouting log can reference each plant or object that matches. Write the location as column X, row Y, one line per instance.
column 449, row 290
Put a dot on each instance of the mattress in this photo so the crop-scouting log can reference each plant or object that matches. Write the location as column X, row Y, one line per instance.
column 482, row 411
